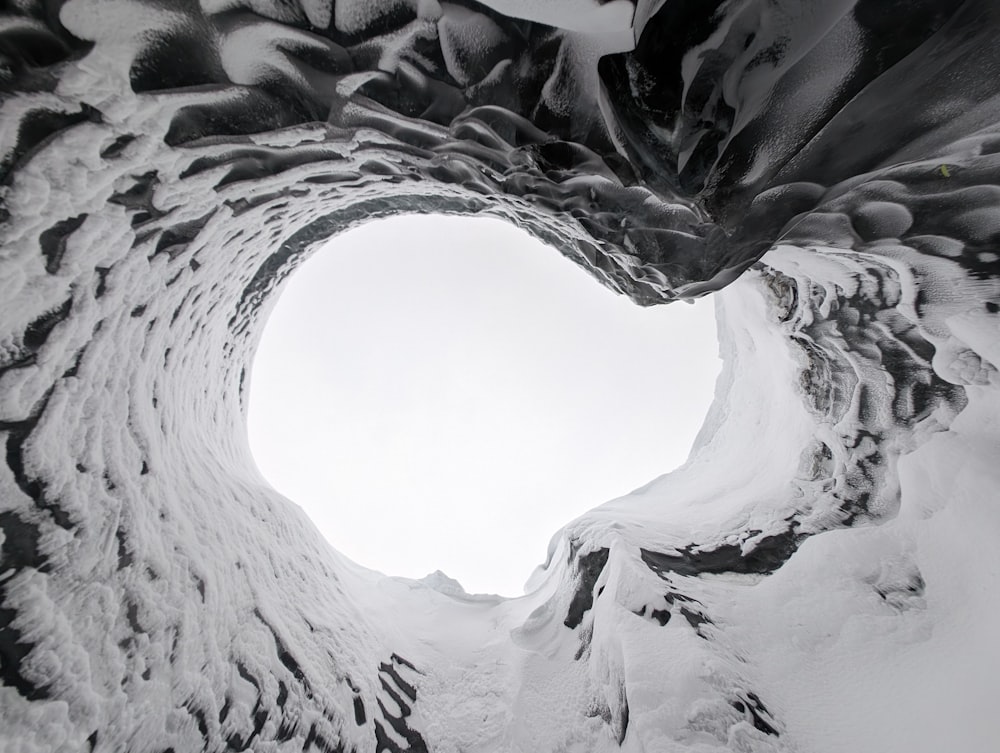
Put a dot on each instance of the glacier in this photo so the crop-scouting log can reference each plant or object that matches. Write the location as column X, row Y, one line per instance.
column 820, row 576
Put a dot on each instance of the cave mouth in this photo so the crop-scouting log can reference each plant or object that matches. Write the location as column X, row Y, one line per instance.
column 445, row 393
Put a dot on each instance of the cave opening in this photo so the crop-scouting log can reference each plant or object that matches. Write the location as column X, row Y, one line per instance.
column 445, row 393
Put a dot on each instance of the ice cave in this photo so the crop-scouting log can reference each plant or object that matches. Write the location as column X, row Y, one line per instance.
column 442, row 418
column 821, row 576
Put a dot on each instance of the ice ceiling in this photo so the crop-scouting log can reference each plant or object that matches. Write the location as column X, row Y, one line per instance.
column 821, row 576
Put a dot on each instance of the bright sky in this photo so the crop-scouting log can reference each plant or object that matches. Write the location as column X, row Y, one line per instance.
column 443, row 393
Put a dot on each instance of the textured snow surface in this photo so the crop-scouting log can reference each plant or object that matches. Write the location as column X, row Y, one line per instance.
column 821, row 575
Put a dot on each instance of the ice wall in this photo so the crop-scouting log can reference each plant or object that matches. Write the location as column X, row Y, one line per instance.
column 820, row 576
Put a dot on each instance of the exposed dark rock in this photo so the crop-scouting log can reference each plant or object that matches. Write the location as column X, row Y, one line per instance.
column 395, row 688
column 53, row 241
column 767, row 554
column 588, row 570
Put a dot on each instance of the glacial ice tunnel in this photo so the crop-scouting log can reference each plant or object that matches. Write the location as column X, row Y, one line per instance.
column 822, row 575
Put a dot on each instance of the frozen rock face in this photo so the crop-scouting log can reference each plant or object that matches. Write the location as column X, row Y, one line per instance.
column 821, row 575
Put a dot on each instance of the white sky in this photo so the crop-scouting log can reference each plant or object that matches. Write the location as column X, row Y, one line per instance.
column 446, row 393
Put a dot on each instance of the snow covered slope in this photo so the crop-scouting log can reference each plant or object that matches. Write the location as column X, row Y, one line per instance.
column 821, row 575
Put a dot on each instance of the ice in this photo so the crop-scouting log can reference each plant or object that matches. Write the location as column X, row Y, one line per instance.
column 820, row 576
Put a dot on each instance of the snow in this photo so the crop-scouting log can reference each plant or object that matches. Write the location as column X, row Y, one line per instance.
column 157, row 593
column 863, row 672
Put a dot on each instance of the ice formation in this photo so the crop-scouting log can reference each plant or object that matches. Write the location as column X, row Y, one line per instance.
column 822, row 575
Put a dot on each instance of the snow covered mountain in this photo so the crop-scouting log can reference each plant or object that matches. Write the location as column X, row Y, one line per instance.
column 822, row 575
